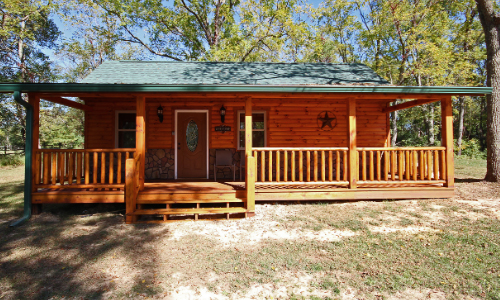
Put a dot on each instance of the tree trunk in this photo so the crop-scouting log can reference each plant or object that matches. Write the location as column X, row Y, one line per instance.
column 491, row 26
column 461, row 101
column 394, row 127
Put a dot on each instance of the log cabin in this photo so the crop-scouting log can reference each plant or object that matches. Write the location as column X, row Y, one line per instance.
column 292, row 132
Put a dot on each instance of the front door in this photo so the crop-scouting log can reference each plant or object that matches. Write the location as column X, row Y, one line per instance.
column 191, row 145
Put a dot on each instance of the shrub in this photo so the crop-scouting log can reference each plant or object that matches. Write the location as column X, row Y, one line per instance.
column 472, row 149
column 13, row 160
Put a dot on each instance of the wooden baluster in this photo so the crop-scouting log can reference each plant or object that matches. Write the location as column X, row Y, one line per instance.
column 345, row 164
column 400, row 164
column 71, row 167
column 61, row 167
column 111, row 168
column 379, row 163
column 87, row 167
column 429, row 165
column 285, row 169
column 103, row 167
column 301, row 167
column 270, row 166
column 407, row 165
column 415, row 165
column 386, row 165
column 443, row 165
column 393, row 155
column 293, row 165
column 372, row 165
column 262, row 166
column 46, row 167
column 278, row 171
column 54, row 167
column 78, row 168
column 363, row 165
column 308, row 165
column 323, row 166
column 436, row 165
column 330, row 165
column 337, row 166
column 315, row 166
column 421, row 164
column 67, row 159
column 95, row 169
column 119, row 168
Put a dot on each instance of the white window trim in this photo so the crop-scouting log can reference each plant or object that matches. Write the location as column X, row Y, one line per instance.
column 116, row 124
column 177, row 111
column 239, row 112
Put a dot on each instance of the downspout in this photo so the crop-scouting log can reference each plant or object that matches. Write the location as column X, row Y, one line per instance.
column 28, row 154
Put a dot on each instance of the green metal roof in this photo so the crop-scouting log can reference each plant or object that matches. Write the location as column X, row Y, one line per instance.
column 232, row 73
column 135, row 88
column 138, row 76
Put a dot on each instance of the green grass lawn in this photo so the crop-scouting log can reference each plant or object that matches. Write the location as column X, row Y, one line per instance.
column 438, row 249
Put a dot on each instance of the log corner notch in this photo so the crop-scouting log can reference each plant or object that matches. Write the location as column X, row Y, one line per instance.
column 250, row 160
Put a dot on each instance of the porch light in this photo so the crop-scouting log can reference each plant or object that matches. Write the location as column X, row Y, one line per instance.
column 222, row 113
column 160, row 113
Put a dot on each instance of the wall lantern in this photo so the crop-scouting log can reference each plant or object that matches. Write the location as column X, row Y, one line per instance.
column 160, row 113
column 222, row 113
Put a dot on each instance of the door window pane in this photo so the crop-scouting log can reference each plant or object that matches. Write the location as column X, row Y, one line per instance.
column 192, row 135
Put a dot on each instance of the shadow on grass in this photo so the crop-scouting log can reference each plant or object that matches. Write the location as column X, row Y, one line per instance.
column 61, row 253
column 467, row 180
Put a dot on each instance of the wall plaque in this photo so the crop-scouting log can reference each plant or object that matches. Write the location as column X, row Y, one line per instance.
column 222, row 128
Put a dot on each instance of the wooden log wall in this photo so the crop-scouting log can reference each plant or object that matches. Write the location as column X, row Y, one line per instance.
column 290, row 122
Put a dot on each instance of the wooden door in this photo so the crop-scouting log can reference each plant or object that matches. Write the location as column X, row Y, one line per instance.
column 192, row 145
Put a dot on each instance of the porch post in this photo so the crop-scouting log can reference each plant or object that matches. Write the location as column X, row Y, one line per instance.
column 140, row 136
column 447, row 139
column 34, row 100
column 250, row 160
column 352, row 140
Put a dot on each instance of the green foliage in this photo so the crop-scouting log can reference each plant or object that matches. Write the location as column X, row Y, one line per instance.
column 13, row 160
column 60, row 126
column 472, row 149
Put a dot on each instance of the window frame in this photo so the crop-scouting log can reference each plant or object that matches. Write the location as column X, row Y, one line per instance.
column 118, row 130
column 239, row 112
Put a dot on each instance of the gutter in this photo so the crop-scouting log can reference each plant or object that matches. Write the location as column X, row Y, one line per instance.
column 28, row 161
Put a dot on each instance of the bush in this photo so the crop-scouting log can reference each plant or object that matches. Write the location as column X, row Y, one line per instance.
column 13, row 160
column 471, row 148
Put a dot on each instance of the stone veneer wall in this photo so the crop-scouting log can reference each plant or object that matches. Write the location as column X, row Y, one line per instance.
column 160, row 164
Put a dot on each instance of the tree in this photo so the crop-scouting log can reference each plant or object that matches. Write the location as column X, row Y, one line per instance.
column 24, row 31
column 490, row 20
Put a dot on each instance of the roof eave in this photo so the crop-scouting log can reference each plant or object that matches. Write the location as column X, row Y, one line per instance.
column 142, row 88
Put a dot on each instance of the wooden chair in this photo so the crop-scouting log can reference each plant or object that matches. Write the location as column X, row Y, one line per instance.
column 224, row 159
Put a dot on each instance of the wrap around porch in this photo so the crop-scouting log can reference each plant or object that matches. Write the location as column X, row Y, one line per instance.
column 273, row 174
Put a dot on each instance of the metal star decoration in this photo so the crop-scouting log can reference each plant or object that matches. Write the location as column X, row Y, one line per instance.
column 324, row 120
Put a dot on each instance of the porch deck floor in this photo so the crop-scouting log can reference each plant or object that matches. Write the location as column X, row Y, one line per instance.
column 210, row 191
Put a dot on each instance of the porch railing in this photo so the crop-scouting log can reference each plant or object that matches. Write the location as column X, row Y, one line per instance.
column 80, row 168
column 395, row 166
column 301, row 165
column 408, row 164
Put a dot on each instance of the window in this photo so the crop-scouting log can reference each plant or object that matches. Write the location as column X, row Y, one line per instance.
column 258, row 129
column 125, row 129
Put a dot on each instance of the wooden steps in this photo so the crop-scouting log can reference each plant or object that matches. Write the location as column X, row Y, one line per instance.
column 151, row 214
column 190, row 211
